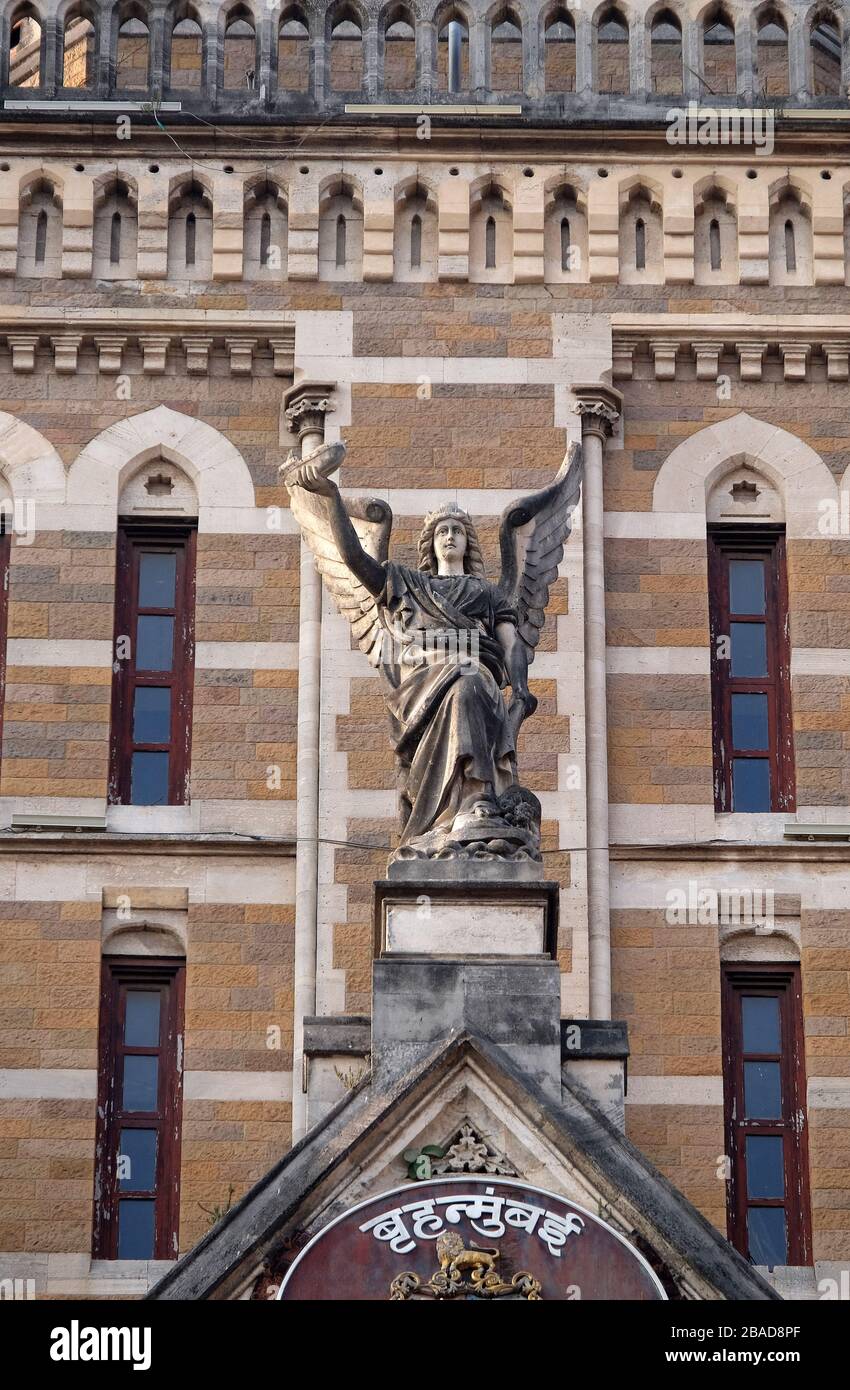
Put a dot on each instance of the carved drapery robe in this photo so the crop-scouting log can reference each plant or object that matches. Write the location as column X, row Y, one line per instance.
column 443, row 672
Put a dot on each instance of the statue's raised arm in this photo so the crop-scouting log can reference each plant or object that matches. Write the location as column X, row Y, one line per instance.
column 350, row 541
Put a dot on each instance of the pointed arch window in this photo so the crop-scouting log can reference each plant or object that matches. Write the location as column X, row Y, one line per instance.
column 714, row 255
column 191, row 237
column 790, row 246
column 640, row 244
column 415, row 242
column 340, row 239
column 566, row 246
column 265, row 237
column 490, row 243
column 41, row 237
column 115, row 239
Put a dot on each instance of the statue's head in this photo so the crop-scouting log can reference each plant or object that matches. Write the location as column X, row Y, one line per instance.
column 449, row 532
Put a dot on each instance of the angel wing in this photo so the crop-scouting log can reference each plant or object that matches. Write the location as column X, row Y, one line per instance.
column 532, row 536
column 372, row 519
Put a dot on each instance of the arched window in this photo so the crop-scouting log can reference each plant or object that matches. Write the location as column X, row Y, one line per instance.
column 559, row 43
column 115, row 239
column 506, row 54
column 714, row 253
column 266, row 233
column 415, row 236
column 133, row 53
column 612, row 53
column 78, row 51
column 115, row 231
column 640, row 244
column 40, row 231
column 340, row 233
column 415, row 242
column 187, row 52
column 641, row 238
column 719, row 72
column 453, row 55
column 772, row 56
column 564, row 237
column 265, row 238
column 346, row 67
column 790, row 246
column 666, row 55
column 490, row 244
column 399, row 53
column 825, row 56
column 190, row 233
column 293, row 53
column 25, row 49
column 566, row 246
column 490, row 237
column 41, row 237
column 240, row 51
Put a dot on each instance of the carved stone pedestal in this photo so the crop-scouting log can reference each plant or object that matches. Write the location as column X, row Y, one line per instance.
column 465, row 910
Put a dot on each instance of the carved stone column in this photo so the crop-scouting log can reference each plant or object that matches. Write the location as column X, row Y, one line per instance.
column 599, row 407
column 306, row 406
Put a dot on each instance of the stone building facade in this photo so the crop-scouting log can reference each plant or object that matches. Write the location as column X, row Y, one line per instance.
column 319, row 231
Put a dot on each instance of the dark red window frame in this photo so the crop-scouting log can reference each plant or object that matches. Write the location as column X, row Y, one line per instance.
column 135, row 538
column 782, row 982
column 119, row 975
column 726, row 543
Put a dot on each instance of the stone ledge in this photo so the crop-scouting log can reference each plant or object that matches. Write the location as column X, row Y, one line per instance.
column 598, row 1038
column 338, row 1035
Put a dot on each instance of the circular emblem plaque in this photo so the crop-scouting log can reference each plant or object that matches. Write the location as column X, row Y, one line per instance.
column 469, row 1238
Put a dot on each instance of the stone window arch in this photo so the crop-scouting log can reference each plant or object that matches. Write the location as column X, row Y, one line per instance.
column 132, row 56
column 79, row 46
column 790, row 255
column 239, row 51
column 719, row 75
column 115, row 231
column 26, row 47
column 641, row 237
column 266, row 232
column 293, row 51
column 190, row 232
column 40, row 230
column 559, row 51
column 397, row 31
column 453, row 15
column 158, row 487
column 415, row 235
column 341, row 232
column 491, row 235
column 185, row 57
column 665, row 55
column 504, row 34
column 772, row 70
column 824, row 55
column 565, row 236
column 346, row 27
column 715, row 237
column 611, row 53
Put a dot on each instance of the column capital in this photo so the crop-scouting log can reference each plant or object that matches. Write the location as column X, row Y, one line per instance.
column 305, row 405
column 599, row 406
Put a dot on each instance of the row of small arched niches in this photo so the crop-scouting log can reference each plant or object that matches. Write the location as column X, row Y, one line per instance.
column 763, row 50
column 415, row 235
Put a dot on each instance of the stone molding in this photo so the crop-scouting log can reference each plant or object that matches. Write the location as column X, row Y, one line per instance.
column 800, row 344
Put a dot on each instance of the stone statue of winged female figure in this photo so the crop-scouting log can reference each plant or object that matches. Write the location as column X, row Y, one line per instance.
column 447, row 643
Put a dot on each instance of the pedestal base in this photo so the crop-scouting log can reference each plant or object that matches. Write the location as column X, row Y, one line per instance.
column 461, row 917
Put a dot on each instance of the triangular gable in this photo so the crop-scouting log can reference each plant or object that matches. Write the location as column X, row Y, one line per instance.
column 357, row 1151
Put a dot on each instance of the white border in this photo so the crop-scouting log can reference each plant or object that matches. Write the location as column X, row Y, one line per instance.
column 482, row 1181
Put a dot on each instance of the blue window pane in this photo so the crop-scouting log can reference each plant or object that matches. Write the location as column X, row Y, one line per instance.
column 141, row 1018
column 137, row 1160
column 149, row 779
column 749, row 649
column 136, row 1230
column 749, row 722
column 746, row 586
column 760, row 1017
column 766, row 1231
column 155, row 644
column 152, row 714
column 765, row 1165
column 750, row 784
column 157, row 576
column 762, row 1091
column 141, row 1075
